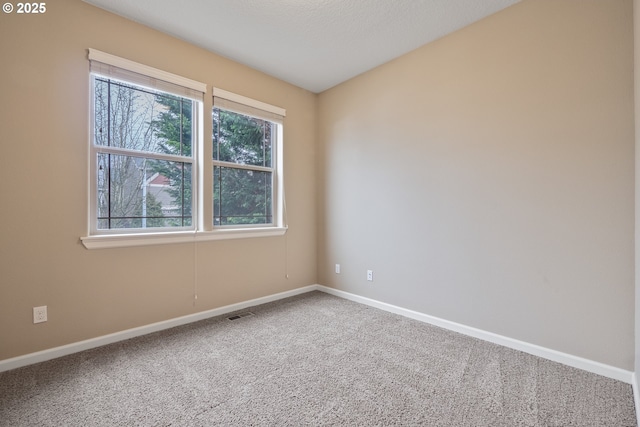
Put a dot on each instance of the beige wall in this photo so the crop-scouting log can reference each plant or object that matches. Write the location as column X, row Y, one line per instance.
column 488, row 178
column 43, row 189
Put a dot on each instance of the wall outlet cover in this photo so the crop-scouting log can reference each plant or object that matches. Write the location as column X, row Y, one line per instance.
column 40, row 314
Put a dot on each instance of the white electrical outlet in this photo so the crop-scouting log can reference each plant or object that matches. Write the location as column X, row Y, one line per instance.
column 370, row 275
column 40, row 314
column 337, row 268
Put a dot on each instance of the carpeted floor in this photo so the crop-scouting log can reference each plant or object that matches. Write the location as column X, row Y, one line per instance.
column 313, row 359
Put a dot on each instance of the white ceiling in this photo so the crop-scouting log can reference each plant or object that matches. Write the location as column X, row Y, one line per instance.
column 314, row 44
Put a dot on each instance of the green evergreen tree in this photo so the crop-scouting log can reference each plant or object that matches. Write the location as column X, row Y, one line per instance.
column 173, row 128
column 154, row 216
column 242, row 196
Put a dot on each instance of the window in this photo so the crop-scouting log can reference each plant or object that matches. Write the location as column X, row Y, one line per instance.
column 143, row 141
column 246, row 144
column 147, row 162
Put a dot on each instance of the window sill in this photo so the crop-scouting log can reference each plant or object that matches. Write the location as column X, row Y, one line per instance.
column 130, row 240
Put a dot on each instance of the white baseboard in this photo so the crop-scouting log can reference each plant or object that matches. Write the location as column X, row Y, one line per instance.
column 41, row 356
column 536, row 350
column 636, row 395
column 556, row 356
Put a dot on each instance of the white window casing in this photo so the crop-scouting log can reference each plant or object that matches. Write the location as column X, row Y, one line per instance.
column 116, row 68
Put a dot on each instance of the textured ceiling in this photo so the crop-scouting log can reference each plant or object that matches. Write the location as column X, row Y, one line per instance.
column 314, row 44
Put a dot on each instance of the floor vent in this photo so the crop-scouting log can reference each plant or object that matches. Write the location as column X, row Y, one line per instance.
column 240, row 315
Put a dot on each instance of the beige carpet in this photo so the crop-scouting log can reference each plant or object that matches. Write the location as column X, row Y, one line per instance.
column 313, row 359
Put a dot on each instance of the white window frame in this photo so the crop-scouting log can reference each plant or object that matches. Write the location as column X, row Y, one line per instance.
column 228, row 101
column 202, row 168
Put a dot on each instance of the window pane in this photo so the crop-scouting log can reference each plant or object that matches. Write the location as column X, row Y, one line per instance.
column 242, row 139
column 135, row 118
column 242, row 196
column 137, row 192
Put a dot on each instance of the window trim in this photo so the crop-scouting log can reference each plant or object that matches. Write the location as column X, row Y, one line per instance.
column 106, row 241
column 146, row 71
column 252, row 103
column 202, row 168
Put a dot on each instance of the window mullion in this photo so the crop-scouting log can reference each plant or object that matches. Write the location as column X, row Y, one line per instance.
column 242, row 166
column 145, row 154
